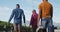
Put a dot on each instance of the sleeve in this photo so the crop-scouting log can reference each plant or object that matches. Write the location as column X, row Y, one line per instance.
column 11, row 16
column 31, row 21
column 23, row 16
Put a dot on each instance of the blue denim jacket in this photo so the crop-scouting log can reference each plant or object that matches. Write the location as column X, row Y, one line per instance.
column 17, row 14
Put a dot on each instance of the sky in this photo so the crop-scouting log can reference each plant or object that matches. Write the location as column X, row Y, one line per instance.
column 6, row 7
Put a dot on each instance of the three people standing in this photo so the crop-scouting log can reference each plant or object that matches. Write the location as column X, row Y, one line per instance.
column 45, row 14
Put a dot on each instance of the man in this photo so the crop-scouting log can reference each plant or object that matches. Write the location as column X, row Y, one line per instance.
column 33, row 21
column 17, row 14
column 46, row 14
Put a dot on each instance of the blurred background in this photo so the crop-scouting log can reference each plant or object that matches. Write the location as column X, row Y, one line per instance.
column 6, row 7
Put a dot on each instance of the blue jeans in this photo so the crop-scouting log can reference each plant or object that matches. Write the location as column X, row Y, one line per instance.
column 47, row 23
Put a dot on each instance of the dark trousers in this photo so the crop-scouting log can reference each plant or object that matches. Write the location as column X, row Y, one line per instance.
column 34, row 29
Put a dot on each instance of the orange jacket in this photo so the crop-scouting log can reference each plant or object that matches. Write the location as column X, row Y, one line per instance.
column 46, row 9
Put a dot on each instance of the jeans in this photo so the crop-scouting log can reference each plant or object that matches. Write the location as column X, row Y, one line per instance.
column 47, row 23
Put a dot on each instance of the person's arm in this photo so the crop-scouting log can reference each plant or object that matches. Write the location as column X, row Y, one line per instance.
column 39, row 14
column 51, row 11
column 31, row 20
column 39, row 17
column 11, row 16
column 23, row 16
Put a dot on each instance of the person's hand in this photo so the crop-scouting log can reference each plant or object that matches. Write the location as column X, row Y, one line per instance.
column 37, row 24
column 24, row 21
column 8, row 23
column 30, row 26
column 25, row 24
column 40, row 23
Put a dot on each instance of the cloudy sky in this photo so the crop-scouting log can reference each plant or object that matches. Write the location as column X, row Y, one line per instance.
column 6, row 7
